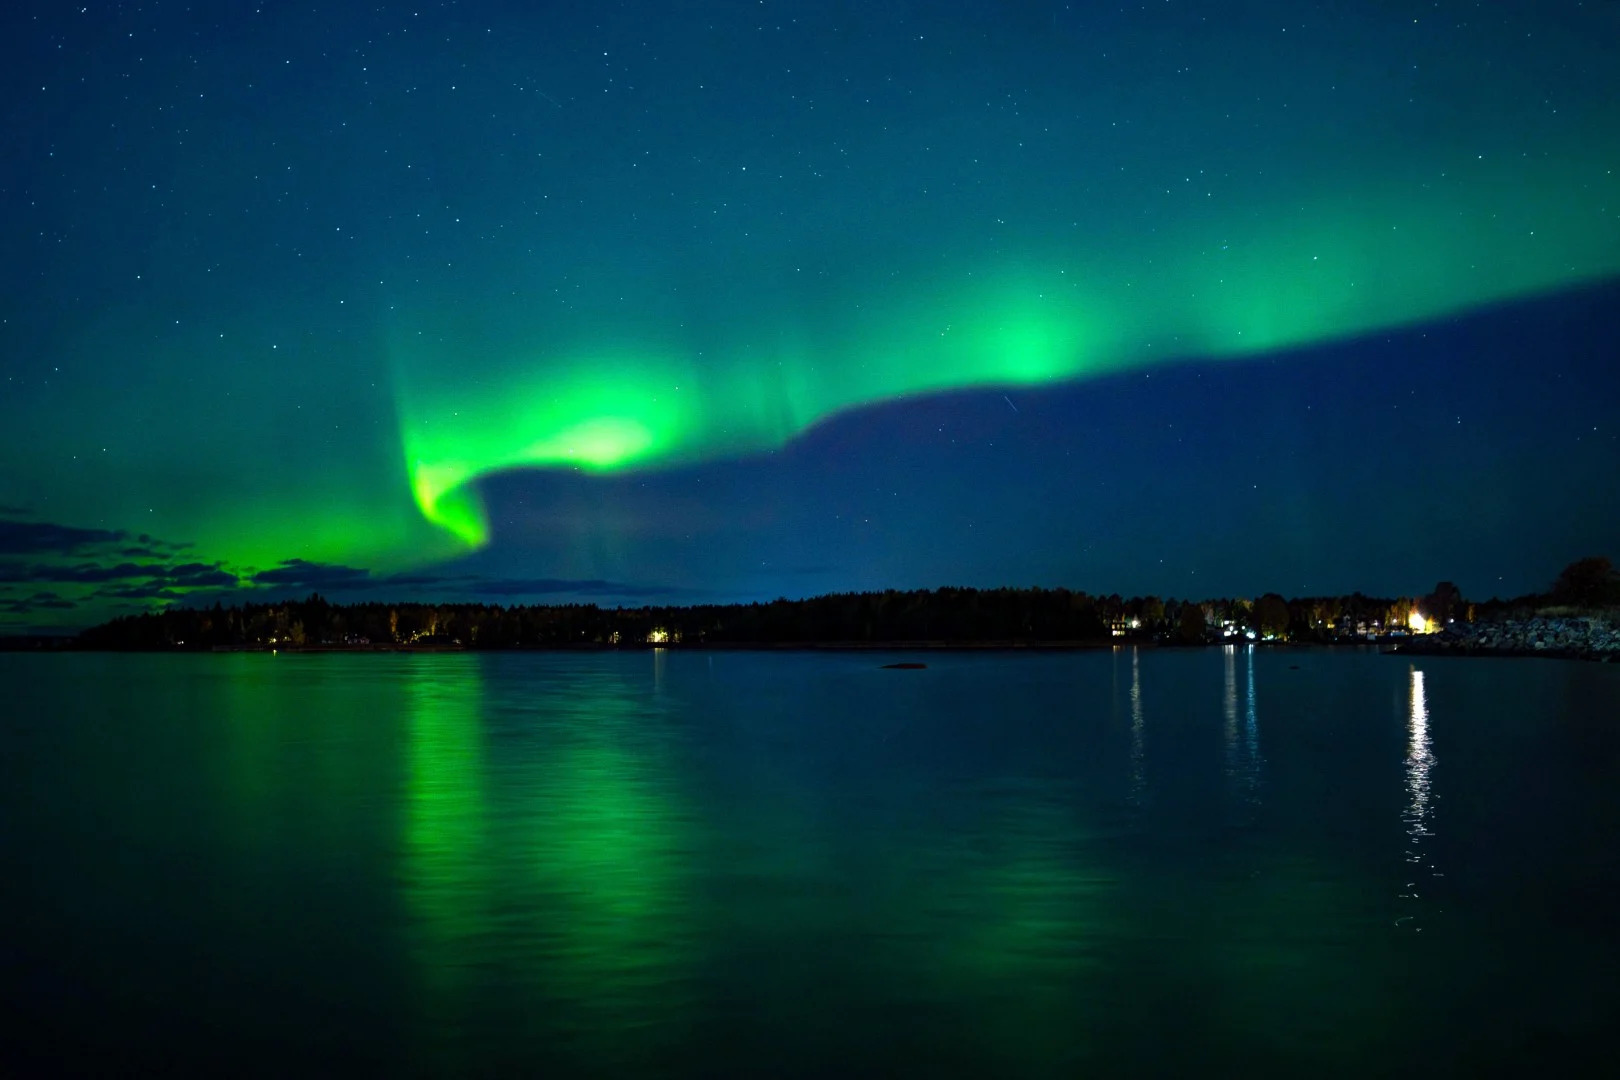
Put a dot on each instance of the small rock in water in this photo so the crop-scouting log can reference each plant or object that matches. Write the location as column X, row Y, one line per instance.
column 907, row 667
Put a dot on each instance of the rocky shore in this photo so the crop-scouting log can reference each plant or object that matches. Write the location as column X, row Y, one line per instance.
column 1577, row 637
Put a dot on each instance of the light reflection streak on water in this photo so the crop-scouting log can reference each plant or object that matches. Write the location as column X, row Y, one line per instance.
column 1243, row 761
column 1251, row 732
column 1229, row 706
column 1229, row 711
column 1137, row 777
column 1418, row 814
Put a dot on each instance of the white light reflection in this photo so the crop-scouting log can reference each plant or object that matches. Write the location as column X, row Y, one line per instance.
column 1229, row 708
column 1418, row 814
column 1251, row 734
column 1137, row 779
column 1242, row 745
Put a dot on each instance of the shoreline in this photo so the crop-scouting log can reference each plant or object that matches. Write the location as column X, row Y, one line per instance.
column 746, row 646
column 707, row 646
column 1577, row 637
column 1565, row 639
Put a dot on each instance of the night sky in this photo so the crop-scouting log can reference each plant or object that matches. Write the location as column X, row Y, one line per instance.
column 639, row 302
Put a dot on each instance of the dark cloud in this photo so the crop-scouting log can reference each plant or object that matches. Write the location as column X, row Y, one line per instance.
column 140, row 571
column 94, row 573
column 167, row 545
column 214, row 579
column 47, row 538
column 185, row 575
column 155, row 590
column 294, row 574
column 299, row 574
column 88, row 572
column 42, row 602
column 420, row 580
column 200, row 576
column 102, row 569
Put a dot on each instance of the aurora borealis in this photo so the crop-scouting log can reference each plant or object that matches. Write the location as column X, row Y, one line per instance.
column 736, row 300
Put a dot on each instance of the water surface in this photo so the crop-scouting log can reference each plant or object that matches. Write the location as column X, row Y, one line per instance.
column 802, row 864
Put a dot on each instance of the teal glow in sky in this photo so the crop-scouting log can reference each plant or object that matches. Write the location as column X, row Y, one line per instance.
column 330, row 297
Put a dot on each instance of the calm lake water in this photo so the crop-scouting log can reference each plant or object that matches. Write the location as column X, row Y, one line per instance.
column 801, row 864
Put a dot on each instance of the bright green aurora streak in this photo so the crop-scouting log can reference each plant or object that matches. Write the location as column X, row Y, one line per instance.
column 1297, row 271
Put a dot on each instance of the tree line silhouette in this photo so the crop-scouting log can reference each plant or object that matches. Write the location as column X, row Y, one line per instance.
column 959, row 616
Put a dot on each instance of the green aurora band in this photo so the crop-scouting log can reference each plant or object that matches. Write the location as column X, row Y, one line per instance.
column 1295, row 272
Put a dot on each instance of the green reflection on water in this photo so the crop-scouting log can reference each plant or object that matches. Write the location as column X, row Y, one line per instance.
column 550, row 882
column 250, row 751
column 449, row 879
column 612, row 848
column 1010, row 927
